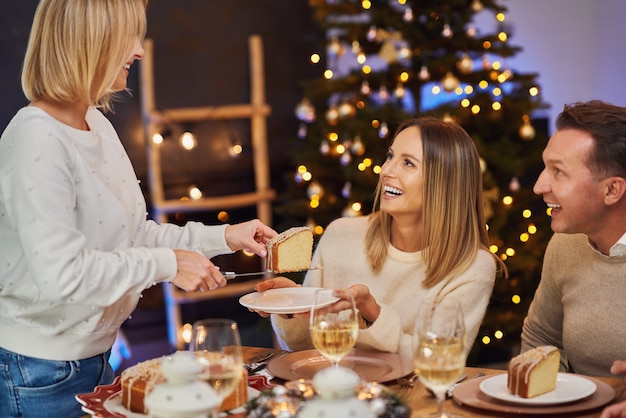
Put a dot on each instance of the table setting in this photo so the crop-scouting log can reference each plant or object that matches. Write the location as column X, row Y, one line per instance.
column 336, row 374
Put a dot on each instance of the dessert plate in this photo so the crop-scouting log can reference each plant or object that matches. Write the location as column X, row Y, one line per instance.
column 569, row 388
column 287, row 300
column 469, row 394
column 372, row 366
column 106, row 401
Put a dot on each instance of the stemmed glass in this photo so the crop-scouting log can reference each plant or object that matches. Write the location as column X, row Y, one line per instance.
column 335, row 327
column 217, row 345
column 439, row 352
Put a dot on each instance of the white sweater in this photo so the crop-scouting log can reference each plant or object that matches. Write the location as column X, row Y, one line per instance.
column 397, row 288
column 76, row 250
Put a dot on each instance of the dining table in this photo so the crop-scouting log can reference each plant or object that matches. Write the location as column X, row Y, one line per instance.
column 420, row 400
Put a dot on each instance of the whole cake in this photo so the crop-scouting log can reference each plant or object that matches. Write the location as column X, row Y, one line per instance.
column 139, row 380
column 290, row 250
column 533, row 372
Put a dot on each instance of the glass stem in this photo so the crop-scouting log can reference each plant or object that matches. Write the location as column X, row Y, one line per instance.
column 440, row 398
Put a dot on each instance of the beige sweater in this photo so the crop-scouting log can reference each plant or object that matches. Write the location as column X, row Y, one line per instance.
column 397, row 288
column 579, row 306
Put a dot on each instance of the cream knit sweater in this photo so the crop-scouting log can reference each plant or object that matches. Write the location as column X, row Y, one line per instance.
column 397, row 288
column 579, row 306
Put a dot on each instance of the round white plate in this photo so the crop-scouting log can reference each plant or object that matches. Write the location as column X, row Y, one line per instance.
column 288, row 300
column 569, row 388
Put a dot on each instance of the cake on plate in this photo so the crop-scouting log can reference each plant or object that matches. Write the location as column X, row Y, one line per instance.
column 533, row 372
column 290, row 250
column 137, row 381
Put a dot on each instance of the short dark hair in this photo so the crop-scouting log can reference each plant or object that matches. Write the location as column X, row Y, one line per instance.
column 606, row 123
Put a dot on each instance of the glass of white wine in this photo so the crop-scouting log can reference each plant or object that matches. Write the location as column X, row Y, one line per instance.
column 334, row 328
column 440, row 352
column 217, row 345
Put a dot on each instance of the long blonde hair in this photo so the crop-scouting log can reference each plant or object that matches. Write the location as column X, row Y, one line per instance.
column 77, row 49
column 453, row 216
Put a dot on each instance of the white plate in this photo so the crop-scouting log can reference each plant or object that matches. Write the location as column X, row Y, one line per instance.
column 569, row 388
column 288, row 300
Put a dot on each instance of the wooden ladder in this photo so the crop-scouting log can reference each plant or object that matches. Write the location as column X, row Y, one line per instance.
column 153, row 119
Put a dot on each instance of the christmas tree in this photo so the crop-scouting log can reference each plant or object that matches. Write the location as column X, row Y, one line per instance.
column 384, row 61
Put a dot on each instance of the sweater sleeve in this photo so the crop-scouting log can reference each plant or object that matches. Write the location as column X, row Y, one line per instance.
column 544, row 323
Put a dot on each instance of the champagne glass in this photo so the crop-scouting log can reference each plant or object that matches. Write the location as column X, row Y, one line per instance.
column 217, row 345
column 334, row 328
column 439, row 352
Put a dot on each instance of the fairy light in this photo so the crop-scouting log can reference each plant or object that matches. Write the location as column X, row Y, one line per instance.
column 498, row 334
column 486, row 340
column 533, row 91
column 496, row 106
column 188, row 140
column 157, row 138
column 328, row 74
column 186, row 332
column 516, row 299
column 507, row 200
column 315, row 58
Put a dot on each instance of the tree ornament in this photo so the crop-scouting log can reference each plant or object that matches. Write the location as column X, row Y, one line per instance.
column 357, row 148
column 371, row 33
column 447, row 31
column 408, row 15
column 346, row 110
column 424, row 74
column 465, row 64
column 324, row 147
column 365, row 89
column 383, row 93
column 302, row 130
column 526, row 131
column 388, row 51
column 477, row 6
column 383, row 131
column 332, row 115
column 305, row 111
column 471, row 31
column 346, row 189
column 315, row 190
column 514, row 185
column 334, row 47
column 399, row 91
column 449, row 82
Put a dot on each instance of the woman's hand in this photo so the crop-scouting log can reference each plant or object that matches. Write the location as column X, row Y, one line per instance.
column 250, row 236
column 273, row 283
column 363, row 300
column 196, row 272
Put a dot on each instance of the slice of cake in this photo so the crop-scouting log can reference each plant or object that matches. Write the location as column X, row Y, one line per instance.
column 533, row 372
column 139, row 380
column 290, row 250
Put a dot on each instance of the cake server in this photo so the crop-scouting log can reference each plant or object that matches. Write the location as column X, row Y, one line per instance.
column 231, row 274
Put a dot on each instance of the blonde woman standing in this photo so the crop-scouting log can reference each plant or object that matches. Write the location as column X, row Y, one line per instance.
column 76, row 250
column 426, row 240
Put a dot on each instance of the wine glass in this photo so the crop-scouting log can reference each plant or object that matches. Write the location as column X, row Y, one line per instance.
column 439, row 352
column 335, row 327
column 217, row 345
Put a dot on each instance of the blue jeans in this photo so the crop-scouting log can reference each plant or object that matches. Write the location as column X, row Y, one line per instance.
column 36, row 388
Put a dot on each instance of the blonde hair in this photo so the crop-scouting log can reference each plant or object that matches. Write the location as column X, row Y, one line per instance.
column 453, row 217
column 77, row 49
